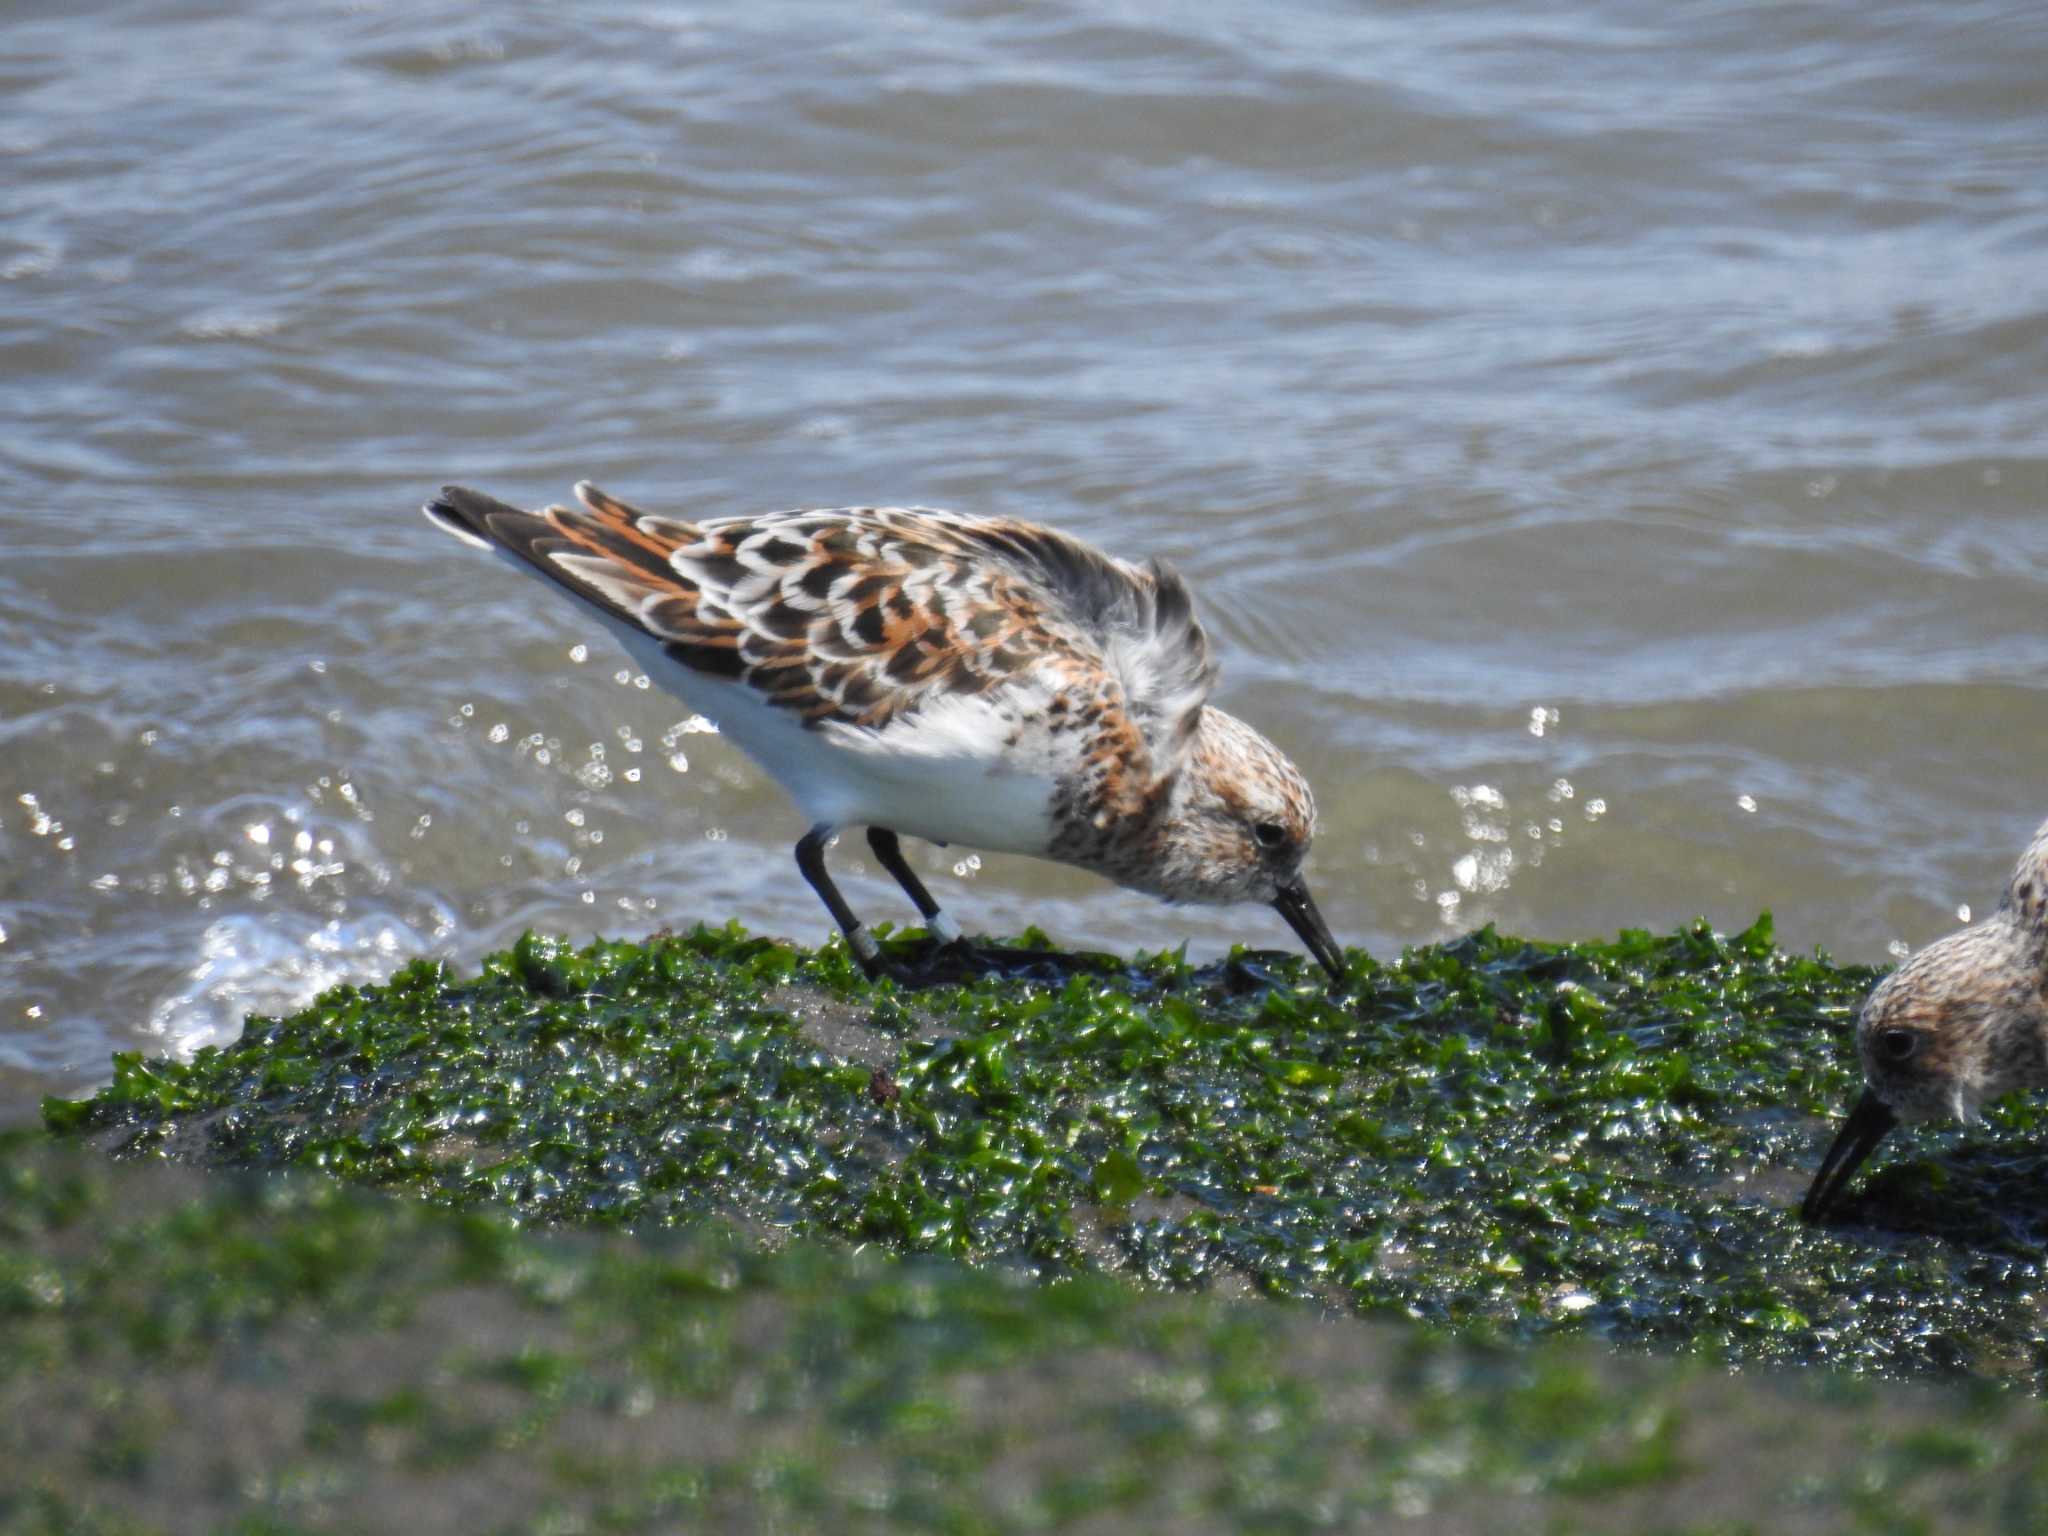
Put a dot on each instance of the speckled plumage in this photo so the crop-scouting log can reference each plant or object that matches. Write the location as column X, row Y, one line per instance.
column 1963, row 1022
column 961, row 679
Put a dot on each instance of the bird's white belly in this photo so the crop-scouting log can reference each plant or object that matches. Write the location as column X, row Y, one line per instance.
column 944, row 800
column 948, row 774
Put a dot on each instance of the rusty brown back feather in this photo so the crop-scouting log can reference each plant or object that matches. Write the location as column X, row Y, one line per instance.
column 858, row 615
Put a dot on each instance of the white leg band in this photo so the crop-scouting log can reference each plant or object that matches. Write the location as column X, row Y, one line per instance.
column 943, row 928
column 862, row 943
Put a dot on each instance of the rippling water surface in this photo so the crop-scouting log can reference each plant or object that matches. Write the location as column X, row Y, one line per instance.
column 1610, row 445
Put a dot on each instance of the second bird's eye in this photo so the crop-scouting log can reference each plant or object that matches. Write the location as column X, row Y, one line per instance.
column 1270, row 834
column 1898, row 1044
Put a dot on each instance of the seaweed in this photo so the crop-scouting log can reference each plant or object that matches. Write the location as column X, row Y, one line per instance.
column 1511, row 1138
column 189, row 1351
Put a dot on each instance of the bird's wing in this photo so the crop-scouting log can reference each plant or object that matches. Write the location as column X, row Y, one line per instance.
column 1140, row 619
column 857, row 616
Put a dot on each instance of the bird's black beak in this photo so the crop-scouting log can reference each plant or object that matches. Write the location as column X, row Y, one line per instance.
column 1859, row 1136
column 1299, row 908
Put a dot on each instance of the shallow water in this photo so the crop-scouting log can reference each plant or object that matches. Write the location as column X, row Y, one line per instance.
column 1611, row 452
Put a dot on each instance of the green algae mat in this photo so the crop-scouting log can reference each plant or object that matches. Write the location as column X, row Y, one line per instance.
column 196, row 1352
column 1512, row 1142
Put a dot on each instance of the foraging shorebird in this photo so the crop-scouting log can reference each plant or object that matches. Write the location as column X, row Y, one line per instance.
column 1962, row 1022
column 961, row 679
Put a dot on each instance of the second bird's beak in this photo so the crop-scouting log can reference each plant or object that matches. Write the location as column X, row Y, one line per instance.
column 1860, row 1134
column 1299, row 908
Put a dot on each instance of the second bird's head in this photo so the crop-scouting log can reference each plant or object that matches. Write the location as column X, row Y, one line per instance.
column 1957, row 1025
column 1963, row 1022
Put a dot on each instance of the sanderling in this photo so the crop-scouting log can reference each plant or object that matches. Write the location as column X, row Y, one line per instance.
column 1962, row 1022
column 961, row 679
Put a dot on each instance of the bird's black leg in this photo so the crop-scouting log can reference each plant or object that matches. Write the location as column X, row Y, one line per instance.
column 890, row 852
column 810, row 858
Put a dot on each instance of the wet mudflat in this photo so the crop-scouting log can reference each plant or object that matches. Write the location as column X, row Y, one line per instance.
column 1185, row 1198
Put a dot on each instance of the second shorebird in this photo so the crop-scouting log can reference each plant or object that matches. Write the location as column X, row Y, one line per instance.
column 1963, row 1022
column 959, row 679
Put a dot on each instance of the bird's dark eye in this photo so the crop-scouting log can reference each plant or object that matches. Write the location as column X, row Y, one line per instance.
column 1270, row 834
column 1898, row 1044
